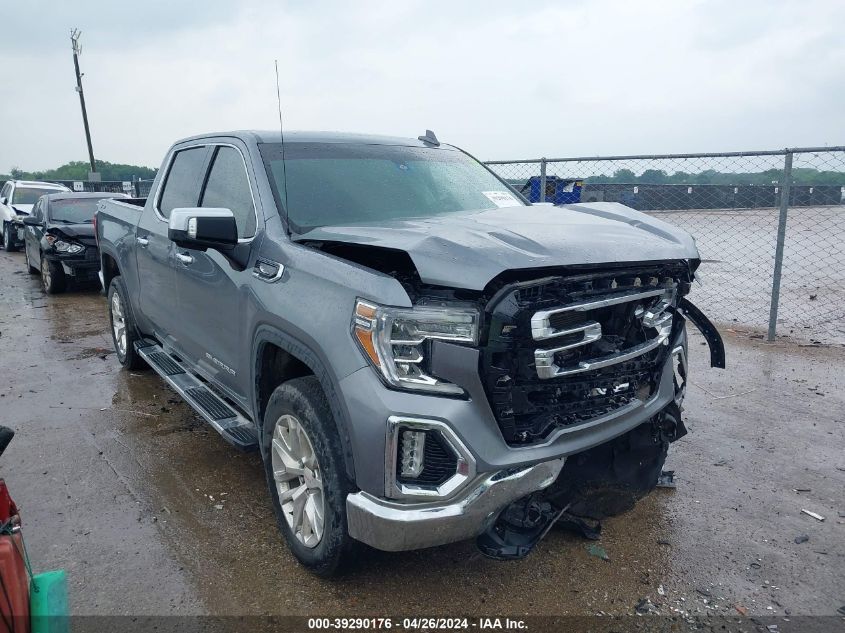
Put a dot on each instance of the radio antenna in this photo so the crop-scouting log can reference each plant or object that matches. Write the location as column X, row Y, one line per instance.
column 282, row 133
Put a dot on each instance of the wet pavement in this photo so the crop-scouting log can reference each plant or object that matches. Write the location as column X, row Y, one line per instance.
column 151, row 512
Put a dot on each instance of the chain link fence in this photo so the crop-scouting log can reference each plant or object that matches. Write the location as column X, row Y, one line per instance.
column 770, row 226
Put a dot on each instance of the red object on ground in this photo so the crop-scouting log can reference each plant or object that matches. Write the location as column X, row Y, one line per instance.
column 14, row 594
column 7, row 506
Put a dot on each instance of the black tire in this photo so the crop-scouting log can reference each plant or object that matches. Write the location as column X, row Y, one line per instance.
column 303, row 399
column 8, row 240
column 52, row 277
column 126, row 354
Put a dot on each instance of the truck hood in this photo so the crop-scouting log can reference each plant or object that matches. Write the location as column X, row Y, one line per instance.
column 467, row 250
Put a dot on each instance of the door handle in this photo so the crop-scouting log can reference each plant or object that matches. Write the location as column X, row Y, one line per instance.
column 142, row 241
column 185, row 258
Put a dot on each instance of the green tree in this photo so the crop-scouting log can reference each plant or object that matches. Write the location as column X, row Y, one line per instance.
column 654, row 176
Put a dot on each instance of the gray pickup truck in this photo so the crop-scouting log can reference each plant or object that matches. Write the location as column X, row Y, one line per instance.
column 420, row 355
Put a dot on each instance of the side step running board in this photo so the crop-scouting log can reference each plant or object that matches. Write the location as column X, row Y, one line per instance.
column 234, row 427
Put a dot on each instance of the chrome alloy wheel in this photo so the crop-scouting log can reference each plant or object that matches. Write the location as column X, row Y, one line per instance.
column 118, row 323
column 299, row 481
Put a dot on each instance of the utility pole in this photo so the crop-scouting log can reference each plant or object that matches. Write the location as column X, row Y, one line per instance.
column 77, row 51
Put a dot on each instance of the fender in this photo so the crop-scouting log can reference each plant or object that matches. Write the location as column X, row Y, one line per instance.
column 106, row 250
column 298, row 349
column 711, row 334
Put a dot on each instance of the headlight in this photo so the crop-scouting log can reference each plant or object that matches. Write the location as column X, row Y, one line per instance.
column 61, row 246
column 397, row 341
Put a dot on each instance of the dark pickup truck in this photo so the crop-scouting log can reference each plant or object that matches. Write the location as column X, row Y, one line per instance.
column 420, row 355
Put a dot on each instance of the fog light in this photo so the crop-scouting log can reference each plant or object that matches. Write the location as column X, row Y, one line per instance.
column 413, row 449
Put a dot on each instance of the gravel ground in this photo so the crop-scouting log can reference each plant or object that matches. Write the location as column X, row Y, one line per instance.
column 152, row 513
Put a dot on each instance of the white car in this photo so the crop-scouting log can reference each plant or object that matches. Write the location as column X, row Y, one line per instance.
column 16, row 201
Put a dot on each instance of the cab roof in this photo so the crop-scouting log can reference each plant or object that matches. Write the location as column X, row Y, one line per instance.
column 67, row 195
column 40, row 184
column 305, row 136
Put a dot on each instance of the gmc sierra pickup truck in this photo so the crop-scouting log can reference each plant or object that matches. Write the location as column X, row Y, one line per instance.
column 420, row 355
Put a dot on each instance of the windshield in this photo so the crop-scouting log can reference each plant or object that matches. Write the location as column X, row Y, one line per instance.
column 340, row 183
column 70, row 211
column 30, row 195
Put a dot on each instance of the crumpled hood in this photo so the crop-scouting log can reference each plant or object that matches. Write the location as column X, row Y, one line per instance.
column 83, row 233
column 467, row 250
column 23, row 208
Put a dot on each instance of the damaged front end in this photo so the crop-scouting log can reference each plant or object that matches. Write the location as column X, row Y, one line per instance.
column 600, row 342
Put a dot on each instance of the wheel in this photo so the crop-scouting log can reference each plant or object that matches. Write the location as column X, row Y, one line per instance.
column 306, row 476
column 52, row 277
column 123, row 330
column 8, row 240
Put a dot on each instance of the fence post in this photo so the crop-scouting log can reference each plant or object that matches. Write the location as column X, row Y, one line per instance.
column 784, row 208
column 542, row 180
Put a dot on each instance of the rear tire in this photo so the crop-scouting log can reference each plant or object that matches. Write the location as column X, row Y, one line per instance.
column 52, row 277
column 124, row 332
column 300, row 437
column 8, row 239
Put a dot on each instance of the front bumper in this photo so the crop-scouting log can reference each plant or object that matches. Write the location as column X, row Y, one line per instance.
column 370, row 405
column 82, row 266
column 395, row 526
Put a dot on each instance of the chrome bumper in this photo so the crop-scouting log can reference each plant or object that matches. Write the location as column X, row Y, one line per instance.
column 394, row 526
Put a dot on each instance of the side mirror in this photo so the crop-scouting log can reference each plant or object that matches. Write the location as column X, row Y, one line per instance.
column 201, row 228
column 31, row 221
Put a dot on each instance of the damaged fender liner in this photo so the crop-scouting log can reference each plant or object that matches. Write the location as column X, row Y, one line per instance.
column 711, row 334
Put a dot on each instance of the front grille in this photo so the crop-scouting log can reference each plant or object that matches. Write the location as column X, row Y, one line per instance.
column 439, row 462
column 564, row 350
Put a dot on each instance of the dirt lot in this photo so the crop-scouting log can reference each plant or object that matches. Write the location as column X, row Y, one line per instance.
column 152, row 513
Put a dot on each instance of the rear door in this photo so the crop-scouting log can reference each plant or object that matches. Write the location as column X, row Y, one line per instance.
column 155, row 253
column 213, row 294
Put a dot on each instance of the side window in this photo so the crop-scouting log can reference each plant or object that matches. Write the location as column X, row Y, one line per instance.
column 228, row 187
column 182, row 186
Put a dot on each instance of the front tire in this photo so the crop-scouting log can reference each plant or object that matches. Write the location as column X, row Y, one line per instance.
column 8, row 239
column 305, row 472
column 52, row 277
column 123, row 330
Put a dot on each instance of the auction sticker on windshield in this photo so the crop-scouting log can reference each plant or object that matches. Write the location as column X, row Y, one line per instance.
column 501, row 198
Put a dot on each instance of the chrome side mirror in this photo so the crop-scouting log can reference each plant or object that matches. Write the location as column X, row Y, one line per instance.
column 201, row 228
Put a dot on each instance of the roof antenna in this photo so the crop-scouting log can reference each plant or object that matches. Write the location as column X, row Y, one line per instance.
column 282, row 133
column 429, row 138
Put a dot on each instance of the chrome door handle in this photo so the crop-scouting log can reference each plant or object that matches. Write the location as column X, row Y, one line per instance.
column 185, row 258
column 142, row 241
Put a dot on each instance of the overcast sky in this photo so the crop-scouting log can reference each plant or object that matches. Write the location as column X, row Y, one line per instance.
column 501, row 79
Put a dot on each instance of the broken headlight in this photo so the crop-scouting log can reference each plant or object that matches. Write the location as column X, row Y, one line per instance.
column 397, row 341
column 61, row 246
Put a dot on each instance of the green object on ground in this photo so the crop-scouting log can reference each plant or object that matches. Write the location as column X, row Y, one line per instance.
column 594, row 550
column 48, row 602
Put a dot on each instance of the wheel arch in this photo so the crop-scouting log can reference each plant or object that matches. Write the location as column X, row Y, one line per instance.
column 109, row 267
column 272, row 349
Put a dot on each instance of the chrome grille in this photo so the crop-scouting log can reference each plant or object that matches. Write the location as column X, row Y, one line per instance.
column 565, row 350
